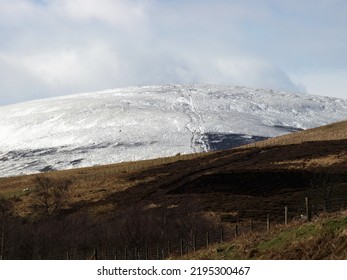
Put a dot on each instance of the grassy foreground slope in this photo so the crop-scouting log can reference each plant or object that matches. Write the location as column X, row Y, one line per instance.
column 323, row 238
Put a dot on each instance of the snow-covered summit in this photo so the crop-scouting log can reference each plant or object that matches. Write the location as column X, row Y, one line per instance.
column 150, row 121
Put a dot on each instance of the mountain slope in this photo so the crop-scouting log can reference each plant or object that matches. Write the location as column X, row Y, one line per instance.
column 147, row 122
column 189, row 193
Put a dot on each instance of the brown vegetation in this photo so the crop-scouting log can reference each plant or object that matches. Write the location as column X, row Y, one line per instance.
column 134, row 204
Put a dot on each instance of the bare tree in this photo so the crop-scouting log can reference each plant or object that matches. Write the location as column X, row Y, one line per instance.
column 325, row 184
column 50, row 194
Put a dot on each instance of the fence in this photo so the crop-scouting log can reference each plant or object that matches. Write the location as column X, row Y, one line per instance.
column 299, row 137
column 181, row 247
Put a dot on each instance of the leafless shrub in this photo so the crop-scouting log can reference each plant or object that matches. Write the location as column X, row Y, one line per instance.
column 325, row 184
column 49, row 194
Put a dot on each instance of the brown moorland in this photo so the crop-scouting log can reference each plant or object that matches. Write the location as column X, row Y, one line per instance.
column 220, row 187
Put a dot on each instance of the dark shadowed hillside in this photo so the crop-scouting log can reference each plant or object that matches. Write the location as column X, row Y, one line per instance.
column 164, row 199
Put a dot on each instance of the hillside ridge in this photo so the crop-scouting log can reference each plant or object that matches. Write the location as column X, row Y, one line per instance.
column 138, row 123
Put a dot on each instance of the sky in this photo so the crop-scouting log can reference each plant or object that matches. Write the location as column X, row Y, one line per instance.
column 59, row 47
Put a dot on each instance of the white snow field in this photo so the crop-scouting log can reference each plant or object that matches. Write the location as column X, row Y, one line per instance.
column 150, row 121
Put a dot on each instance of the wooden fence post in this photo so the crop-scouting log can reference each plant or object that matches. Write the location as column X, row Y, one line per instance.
column 181, row 246
column 207, row 239
column 95, row 254
column 236, row 230
column 194, row 243
column 168, row 248
column 308, row 214
column 158, row 256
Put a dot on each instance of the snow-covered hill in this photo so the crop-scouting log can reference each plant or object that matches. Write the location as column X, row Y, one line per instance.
column 151, row 121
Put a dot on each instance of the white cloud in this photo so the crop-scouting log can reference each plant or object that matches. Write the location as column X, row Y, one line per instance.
column 18, row 84
column 114, row 12
column 67, row 46
column 327, row 82
column 256, row 73
column 90, row 67
column 15, row 11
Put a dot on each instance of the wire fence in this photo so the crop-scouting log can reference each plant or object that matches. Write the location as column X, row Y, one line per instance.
column 182, row 246
column 299, row 137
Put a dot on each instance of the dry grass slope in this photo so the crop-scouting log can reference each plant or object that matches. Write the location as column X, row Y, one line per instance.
column 95, row 188
column 324, row 238
column 230, row 186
